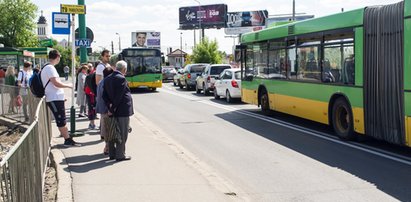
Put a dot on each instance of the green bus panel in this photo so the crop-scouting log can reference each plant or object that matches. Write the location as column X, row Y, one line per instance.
column 144, row 78
column 359, row 56
column 407, row 5
column 407, row 54
column 313, row 91
column 407, row 104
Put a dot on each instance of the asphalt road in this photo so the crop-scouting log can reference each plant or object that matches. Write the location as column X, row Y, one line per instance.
column 271, row 161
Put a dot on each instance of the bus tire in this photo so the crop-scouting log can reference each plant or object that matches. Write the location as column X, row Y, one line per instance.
column 342, row 119
column 265, row 103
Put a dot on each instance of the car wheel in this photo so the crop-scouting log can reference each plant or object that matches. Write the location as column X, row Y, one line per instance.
column 216, row 96
column 180, row 85
column 342, row 119
column 205, row 91
column 228, row 97
column 187, row 86
column 153, row 89
column 174, row 83
column 198, row 91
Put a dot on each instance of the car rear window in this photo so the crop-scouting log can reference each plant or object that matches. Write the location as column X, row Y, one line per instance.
column 216, row 70
column 237, row 75
column 197, row 68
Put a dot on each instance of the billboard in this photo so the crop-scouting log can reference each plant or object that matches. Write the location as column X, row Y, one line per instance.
column 205, row 16
column 246, row 18
column 146, row 39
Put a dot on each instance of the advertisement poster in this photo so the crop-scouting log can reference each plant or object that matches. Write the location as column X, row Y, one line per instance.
column 145, row 39
column 246, row 18
column 206, row 16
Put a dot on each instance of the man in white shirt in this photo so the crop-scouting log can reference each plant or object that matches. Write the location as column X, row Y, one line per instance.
column 23, row 82
column 105, row 59
column 55, row 95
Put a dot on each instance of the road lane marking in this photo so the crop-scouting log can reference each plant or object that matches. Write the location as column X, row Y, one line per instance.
column 325, row 136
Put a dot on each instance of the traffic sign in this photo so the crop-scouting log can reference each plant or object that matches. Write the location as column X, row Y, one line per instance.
column 83, row 42
column 73, row 9
column 61, row 23
column 89, row 34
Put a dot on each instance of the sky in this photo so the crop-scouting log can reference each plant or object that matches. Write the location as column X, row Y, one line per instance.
column 108, row 17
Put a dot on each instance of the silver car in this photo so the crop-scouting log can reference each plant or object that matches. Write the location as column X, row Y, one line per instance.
column 191, row 71
column 206, row 81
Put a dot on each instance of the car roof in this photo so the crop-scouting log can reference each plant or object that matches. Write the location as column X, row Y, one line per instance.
column 220, row 65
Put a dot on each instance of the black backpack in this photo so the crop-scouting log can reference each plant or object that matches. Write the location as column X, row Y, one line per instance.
column 36, row 85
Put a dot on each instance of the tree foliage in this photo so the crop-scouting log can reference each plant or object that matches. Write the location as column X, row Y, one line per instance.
column 206, row 52
column 65, row 59
column 17, row 23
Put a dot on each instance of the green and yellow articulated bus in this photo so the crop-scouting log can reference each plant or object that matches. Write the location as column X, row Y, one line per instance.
column 350, row 70
column 143, row 67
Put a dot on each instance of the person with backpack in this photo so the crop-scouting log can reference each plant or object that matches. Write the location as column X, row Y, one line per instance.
column 90, row 89
column 99, row 75
column 23, row 83
column 55, row 95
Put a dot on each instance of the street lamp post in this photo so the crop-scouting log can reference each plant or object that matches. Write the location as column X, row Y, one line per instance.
column 293, row 10
column 199, row 20
column 181, row 49
column 119, row 42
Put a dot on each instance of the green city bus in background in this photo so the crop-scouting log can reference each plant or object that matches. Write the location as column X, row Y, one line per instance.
column 143, row 67
column 350, row 70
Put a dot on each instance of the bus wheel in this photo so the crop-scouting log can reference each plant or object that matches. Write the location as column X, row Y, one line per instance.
column 342, row 120
column 264, row 103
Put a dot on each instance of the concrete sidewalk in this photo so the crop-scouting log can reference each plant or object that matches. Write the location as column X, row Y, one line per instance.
column 160, row 169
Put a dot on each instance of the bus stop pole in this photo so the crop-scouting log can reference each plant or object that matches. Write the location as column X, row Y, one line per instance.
column 73, row 75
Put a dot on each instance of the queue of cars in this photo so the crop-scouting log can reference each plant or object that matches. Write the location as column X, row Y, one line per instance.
column 221, row 79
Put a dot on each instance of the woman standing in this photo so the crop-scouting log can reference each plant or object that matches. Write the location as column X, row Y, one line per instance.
column 81, row 95
column 10, row 80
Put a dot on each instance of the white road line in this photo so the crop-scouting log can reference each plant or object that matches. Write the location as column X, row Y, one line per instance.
column 375, row 151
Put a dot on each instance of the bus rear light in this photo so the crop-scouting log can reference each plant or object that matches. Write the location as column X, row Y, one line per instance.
column 234, row 83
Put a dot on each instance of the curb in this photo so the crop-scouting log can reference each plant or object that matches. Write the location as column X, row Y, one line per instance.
column 64, row 179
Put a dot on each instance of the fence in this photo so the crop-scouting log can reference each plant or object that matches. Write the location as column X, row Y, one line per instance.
column 22, row 169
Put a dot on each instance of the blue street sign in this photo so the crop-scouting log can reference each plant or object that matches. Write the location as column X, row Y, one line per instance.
column 61, row 23
column 83, row 42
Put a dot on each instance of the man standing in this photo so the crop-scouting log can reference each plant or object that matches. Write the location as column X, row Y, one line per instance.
column 140, row 39
column 23, row 82
column 66, row 72
column 119, row 102
column 105, row 59
column 55, row 95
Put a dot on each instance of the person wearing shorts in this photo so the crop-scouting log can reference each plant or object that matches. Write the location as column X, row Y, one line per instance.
column 55, row 95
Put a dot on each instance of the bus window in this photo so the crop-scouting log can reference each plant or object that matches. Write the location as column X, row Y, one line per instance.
column 260, row 60
column 249, row 62
column 337, row 64
column 291, row 64
column 276, row 62
column 309, row 68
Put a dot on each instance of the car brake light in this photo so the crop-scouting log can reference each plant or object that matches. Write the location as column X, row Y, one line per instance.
column 208, row 78
column 189, row 76
column 234, row 84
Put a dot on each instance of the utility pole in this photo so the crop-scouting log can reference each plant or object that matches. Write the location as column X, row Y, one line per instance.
column 119, row 42
column 293, row 10
column 181, row 49
column 112, row 47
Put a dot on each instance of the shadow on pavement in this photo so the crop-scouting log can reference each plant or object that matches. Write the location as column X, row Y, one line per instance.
column 391, row 177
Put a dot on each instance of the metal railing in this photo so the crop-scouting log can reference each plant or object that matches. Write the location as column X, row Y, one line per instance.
column 23, row 168
column 10, row 107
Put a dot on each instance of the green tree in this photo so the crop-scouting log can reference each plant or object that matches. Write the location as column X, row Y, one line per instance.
column 17, row 23
column 206, row 52
column 65, row 59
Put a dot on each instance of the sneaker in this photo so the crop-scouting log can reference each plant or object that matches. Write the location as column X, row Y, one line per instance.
column 70, row 142
column 81, row 115
column 91, row 126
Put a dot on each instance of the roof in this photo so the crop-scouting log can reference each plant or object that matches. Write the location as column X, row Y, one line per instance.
column 177, row 53
column 42, row 19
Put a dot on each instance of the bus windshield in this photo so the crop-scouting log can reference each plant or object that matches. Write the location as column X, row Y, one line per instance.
column 143, row 65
